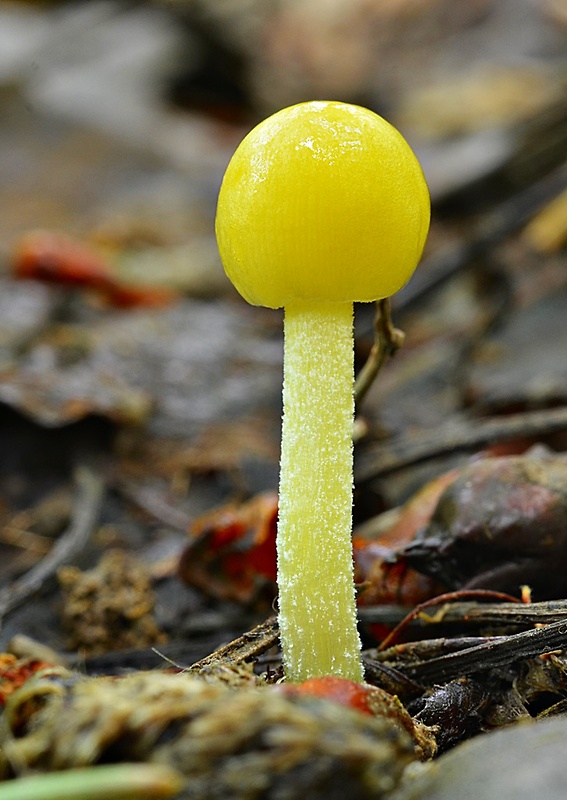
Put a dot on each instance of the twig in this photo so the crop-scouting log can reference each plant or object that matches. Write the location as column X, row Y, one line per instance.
column 441, row 600
column 404, row 452
column 500, row 651
column 71, row 542
column 246, row 648
column 387, row 341
column 507, row 218
column 501, row 615
column 154, row 504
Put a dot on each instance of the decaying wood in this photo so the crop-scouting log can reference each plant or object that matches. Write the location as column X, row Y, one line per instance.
column 496, row 652
column 246, row 648
column 503, row 616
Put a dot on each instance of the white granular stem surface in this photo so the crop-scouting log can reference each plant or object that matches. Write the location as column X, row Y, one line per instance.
column 315, row 568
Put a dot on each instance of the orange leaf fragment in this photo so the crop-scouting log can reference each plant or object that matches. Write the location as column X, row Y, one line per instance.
column 232, row 552
column 15, row 672
column 54, row 257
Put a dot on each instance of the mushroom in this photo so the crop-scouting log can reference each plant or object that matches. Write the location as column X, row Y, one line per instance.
column 322, row 205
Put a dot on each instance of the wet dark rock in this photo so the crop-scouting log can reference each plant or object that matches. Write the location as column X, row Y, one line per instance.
column 518, row 763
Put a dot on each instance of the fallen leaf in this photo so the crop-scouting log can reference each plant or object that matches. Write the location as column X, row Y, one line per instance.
column 232, row 551
column 501, row 524
column 54, row 257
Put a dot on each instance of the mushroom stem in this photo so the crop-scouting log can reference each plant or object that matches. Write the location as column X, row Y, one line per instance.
column 317, row 608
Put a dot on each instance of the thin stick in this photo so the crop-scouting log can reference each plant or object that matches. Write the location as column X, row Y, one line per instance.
column 72, row 541
column 501, row 615
column 498, row 652
column 495, row 226
column 155, row 505
column 387, row 341
column 405, row 451
column 246, row 648
column 440, row 599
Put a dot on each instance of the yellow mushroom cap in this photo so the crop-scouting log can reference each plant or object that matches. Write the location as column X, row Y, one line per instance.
column 322, row 201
